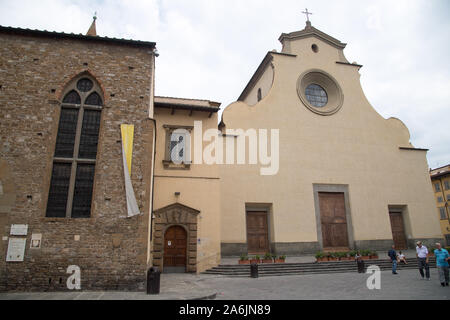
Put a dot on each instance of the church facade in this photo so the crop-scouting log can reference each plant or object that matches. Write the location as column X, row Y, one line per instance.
column 347, row 178
column 102, row 179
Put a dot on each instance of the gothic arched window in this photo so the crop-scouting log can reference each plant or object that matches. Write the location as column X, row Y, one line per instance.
column 75, row 154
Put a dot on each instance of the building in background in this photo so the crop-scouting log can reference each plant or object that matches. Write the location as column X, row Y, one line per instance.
column 440, row 179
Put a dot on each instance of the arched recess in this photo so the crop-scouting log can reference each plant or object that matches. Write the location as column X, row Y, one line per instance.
column 181, row 216
column 75, row 153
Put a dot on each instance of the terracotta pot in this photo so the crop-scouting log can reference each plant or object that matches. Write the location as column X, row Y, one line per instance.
column 373, row 257
column 267, row 261
column 346, row 258
column 365, row 257
column 279, row 260
column 332, row 259
column 244, row 261
column 255, row 261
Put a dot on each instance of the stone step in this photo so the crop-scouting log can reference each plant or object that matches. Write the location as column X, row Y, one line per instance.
column 306, row 268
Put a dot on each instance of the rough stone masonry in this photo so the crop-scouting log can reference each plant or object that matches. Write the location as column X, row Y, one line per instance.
column 109, row 248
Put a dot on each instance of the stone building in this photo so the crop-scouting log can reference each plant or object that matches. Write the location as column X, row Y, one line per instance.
column 65, row 197
column 346, row 178
column 440, row 179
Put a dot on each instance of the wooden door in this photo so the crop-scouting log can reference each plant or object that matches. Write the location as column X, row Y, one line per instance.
column 398, row 231
column 175, row 245
column 333, row 220
column 257, row 233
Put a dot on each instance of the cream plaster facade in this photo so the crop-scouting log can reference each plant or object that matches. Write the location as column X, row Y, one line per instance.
column 197, row 184
column 355, row 149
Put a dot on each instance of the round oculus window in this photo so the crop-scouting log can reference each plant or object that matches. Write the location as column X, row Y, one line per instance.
column 319, row 92
column 85, row 85
column 316, row 95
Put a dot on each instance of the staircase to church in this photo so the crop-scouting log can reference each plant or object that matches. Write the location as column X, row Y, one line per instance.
column 282, row 269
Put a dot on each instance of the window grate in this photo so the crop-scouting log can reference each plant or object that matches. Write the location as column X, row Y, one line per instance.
column 72, row 97
column 66, row 133
column 93, row 99
column 71, row 185
column 82, row 196
column 89, row 134
column 59, row 187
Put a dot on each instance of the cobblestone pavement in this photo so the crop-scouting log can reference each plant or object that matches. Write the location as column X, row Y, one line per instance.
column 345, row 286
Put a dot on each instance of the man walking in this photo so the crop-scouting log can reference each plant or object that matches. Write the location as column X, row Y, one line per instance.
column 422, row 260
column 393, row 255
column 442, row 264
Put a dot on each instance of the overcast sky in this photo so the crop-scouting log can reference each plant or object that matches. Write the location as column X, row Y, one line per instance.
column 209, row 49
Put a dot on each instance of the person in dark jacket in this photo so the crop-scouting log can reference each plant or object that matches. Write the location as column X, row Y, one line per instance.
column 359, row 262
column 393, row 255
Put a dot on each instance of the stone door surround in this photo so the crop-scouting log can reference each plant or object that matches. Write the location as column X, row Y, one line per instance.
column 175, row 214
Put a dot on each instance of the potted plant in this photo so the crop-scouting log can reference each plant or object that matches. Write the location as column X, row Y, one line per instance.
column 352, row 254
column 332, row 256
column 267, row 258
column 346, row 256
column 281, row 259
column 244, row 259
column 320, row 256
column 255, row 259
column 373, row 254
column 365, row 254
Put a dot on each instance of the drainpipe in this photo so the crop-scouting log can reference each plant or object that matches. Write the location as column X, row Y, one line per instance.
column 152, row 182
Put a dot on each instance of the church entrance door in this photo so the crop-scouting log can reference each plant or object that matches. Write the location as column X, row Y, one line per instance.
column 333, row 221
column 398, row 231
column 175, row 245
column 257, row 232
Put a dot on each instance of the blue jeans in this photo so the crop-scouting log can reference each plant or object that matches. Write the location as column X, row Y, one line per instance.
column 394, row 266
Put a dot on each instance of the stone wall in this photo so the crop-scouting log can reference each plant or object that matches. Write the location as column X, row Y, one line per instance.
column 109, row 248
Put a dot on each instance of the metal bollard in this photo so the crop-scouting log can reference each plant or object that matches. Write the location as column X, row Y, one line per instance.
column 254, row 270
column 153, row 280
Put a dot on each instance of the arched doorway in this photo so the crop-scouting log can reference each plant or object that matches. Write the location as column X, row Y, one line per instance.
column 175, row 249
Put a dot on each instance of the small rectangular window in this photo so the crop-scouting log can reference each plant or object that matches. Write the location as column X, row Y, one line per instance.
column 437, row 187
column 440, row 199
column 442, row 213
column 447, row 185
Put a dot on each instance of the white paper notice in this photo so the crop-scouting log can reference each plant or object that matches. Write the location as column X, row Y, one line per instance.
column 16, row 249
column 19, row 230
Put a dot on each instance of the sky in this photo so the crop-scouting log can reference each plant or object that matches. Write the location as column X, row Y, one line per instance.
column 209, row 49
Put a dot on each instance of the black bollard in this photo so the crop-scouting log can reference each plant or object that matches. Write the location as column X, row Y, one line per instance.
column 153, row 280
column 254, row 270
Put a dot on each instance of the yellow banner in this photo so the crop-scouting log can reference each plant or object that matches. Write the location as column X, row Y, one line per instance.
column 127, row 131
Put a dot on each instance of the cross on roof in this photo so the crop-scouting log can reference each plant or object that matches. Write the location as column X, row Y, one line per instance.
column 307, row 14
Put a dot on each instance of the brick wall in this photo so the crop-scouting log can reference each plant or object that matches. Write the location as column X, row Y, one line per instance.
column 112, row 249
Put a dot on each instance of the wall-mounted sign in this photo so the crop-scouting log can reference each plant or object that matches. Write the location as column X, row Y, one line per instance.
column 19, row 230
column 36, row 241
column 16, row 249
